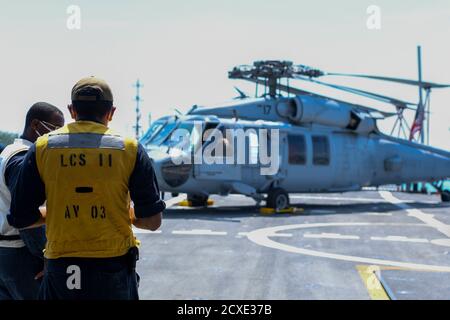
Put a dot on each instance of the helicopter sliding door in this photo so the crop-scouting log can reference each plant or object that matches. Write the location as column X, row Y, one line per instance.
column 310, row 162
column 219, row 160
column 251, row 169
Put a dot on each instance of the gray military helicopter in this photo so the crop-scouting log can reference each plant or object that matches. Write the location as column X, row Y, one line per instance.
column 316, row 143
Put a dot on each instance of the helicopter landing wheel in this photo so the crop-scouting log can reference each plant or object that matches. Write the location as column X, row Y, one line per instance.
column 278, row 199
column 198, row 200
column 445, row 196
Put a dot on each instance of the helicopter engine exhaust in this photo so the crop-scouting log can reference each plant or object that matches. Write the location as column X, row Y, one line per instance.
column 309, row 109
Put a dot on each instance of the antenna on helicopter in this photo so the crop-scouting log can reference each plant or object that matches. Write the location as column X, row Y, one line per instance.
column 192, row 109
column 242, row 95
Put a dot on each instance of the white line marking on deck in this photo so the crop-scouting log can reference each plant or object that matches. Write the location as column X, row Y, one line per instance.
column 330, row 236
column 281, row 235
column 242, row 234
column 201, row 232
column 428, row 219
column 354, row 199
column 381, row 214
column 137, row 230
column 400, row 239
column 336, row 198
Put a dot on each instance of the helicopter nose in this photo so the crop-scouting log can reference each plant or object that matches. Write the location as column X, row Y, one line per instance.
column 170, row 174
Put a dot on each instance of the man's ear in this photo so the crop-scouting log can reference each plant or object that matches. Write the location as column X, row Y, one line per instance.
column 72, row 111
column 111, row 113
column 34, row 124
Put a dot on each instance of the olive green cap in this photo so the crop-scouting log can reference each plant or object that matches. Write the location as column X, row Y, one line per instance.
column 92, row 89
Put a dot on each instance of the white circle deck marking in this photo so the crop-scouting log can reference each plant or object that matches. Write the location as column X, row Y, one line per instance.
column 441, row 242
column 262, row 237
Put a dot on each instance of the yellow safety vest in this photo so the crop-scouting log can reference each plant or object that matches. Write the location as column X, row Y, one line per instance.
column 86, row 168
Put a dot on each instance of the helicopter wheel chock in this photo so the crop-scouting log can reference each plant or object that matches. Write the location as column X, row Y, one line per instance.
column 196, row 200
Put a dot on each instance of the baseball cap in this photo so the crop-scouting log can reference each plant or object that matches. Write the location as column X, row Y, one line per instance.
column 92, row 89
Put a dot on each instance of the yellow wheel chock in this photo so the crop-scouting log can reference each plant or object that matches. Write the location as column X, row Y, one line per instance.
column 187, row 203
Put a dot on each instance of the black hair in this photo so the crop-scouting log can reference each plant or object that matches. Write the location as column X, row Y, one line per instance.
column 42, row 111
column 92, row 110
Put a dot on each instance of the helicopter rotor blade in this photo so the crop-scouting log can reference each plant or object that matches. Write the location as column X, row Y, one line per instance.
column 367, row 94
column 425, row 85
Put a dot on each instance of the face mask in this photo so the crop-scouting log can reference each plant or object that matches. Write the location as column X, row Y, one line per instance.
column 46, row 126
column 37, row 132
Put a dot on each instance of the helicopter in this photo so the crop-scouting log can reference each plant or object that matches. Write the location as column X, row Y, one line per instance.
column 289, row 140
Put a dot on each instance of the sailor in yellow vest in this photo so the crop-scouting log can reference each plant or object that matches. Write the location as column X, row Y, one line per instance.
column 88, row 174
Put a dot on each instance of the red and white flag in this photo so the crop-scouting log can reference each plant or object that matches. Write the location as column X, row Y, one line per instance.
column 418, row 124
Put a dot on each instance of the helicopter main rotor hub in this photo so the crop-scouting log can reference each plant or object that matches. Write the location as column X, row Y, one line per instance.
column 271, row 71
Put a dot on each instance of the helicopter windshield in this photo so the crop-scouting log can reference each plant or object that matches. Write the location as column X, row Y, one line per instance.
column 190, row 129
column 174, row 134
column 163, row 133
column 152, row 131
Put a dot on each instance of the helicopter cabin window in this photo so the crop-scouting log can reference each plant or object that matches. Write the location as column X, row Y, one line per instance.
column 297, row 149
column 321, row 150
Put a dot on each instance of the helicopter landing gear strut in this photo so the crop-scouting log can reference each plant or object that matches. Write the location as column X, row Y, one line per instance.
column 278, row 199
column 445, row 196
column 445, row 193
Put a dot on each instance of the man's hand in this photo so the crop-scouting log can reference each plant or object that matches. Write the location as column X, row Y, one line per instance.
column 151, row 223
column 41, row 220
column 37, row 224
column 39, row 275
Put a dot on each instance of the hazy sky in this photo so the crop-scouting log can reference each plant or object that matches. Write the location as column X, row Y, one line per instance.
column 182, row 50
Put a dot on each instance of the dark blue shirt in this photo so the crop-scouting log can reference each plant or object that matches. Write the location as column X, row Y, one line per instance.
column 34, row 238
column 29, row 193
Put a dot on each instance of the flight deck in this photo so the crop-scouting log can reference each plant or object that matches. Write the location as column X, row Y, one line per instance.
column 356, row 245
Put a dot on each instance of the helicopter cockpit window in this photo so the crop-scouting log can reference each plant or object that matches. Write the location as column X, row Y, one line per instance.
column 152, row 131
column 193, row 131
column 297, row 149
column 321, row 150
column 163, row 133
column 173, row 139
